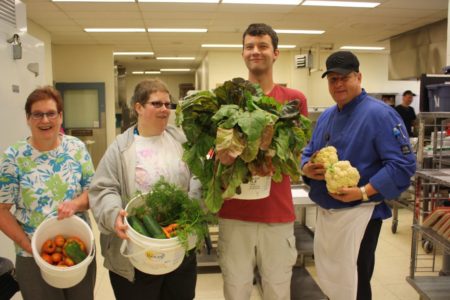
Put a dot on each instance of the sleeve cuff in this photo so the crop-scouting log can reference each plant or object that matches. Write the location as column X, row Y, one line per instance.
column 385, row 185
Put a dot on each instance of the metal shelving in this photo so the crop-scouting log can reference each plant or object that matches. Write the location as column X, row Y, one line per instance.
column 432, row 152
column 432, row 286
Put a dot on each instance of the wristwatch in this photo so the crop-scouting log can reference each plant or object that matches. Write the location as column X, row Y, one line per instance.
column 364, row 193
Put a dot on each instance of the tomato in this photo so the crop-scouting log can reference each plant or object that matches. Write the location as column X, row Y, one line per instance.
column 62, row 264
column 48, row 246
column 69, row 262
column 47, row 258
column 59, row 240
column 57, row 257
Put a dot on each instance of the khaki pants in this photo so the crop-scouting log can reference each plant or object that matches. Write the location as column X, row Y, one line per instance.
column 244, row 245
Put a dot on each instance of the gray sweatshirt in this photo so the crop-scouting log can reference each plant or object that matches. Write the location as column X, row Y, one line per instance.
column 112, row 187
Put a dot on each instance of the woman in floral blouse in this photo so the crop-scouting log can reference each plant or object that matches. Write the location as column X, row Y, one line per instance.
column 44, row 174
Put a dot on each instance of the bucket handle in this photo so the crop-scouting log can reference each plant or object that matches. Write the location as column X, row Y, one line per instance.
column 124, row 246
column 93, row 249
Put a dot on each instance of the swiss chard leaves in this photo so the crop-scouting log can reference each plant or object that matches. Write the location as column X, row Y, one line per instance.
column 250, row 134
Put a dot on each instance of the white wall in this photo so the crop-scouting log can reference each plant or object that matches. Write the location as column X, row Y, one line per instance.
column 225, row 65
column 202, row 74
column 43, row 35
column 374, row 69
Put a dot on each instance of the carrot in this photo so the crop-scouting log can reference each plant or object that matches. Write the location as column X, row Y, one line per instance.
column 166, row 232
column 170, row 229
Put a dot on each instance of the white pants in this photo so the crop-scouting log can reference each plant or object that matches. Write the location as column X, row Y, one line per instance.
column 244, row 245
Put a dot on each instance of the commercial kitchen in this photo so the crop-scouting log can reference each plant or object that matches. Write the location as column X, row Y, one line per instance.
column 95, row 52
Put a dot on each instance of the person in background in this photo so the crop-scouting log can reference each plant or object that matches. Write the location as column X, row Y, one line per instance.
column 43, row 174
column 260, row 232
column 133, row 163
column 364, row 131
column 406, row 111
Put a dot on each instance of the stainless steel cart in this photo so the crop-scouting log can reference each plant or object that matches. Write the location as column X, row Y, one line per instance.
column 433, row 282
column 432, row 152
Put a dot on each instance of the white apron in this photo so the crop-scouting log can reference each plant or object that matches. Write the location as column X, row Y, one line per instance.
column 337, row 239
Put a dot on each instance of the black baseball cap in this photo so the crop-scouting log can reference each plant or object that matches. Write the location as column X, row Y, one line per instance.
column 342, row 62
column 408, row 92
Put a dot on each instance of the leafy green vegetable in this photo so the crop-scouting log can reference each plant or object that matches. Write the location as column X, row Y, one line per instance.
column 250, row 133
column 169, row 204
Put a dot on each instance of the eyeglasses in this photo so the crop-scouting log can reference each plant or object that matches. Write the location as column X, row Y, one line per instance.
column 40, row 115
column 159, row 104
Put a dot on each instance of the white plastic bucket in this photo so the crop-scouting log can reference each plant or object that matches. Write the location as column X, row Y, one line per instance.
column 149, row 255
column 55, row 276
column 257, row 188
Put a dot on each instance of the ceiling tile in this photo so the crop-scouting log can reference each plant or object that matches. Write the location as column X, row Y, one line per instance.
column 225, row 24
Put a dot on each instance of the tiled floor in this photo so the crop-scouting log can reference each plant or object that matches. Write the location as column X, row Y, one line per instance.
column 392, row 266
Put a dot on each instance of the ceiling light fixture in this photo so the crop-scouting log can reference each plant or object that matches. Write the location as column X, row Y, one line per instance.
column 201, row 30
column 181, row 1
column 286, row 46
column 174, row 70
column 277, row 2
column 145, row 72
column 93, row 1
column 133, row 53
column 221, row 46
column 114, row 29
column 175, row 58
column 299, row 31
column 341, row 4
column 361, row 48
column 240, row 46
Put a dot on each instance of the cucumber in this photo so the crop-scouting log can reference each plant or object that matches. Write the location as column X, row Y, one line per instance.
column 153, row 228
column 137, row 225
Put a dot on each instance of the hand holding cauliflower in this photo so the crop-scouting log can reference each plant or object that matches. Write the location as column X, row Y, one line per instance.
column 339, row 174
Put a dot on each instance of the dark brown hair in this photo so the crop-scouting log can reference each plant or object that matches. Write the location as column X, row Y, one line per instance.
column 44, row 93
column 260, row 29
column 144, row 89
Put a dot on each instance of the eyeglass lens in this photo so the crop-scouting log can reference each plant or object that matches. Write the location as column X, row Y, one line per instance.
column 159, row 104
column 40, row 115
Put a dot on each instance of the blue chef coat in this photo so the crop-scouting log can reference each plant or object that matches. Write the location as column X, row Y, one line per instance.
column 372, row 136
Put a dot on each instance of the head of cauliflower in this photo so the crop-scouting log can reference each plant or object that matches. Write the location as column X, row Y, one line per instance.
column 341, row 175
column 326, row 156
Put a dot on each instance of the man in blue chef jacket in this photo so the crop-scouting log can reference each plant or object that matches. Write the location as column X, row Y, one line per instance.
column 372, row 136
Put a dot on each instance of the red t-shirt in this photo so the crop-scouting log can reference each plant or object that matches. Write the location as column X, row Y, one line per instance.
column 278, row 207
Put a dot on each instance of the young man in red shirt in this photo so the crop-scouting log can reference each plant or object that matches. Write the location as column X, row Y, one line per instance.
column 260, row 232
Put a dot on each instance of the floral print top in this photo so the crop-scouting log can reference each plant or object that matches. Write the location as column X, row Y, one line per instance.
column 36, row 182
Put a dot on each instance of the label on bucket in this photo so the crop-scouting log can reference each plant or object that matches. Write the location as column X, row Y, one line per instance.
column 256, row 188
column 155, row 256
